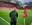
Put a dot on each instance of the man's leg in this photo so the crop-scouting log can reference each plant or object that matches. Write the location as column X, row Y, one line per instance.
column 11, row 23
column 14, row 23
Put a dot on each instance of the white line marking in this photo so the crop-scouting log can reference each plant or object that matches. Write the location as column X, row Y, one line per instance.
column 24, row 21
column 31, row 23
column 5, row 21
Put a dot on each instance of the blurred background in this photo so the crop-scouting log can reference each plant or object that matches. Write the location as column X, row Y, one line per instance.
column 6, row 8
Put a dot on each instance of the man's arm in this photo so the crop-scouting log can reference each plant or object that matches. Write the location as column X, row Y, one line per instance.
column 16, row 14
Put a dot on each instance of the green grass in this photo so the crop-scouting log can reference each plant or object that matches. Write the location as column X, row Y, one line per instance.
column 5, row 16
column 5, row 19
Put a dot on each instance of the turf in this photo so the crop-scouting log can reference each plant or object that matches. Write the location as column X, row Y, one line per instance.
column 4, row 15
column 5, row 19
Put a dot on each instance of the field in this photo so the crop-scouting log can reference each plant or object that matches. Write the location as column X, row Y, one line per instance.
column 5, row 19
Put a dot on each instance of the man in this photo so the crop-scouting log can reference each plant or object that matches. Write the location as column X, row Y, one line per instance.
column 13, row 16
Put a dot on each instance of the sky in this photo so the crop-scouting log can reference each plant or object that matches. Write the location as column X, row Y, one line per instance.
column 27, row 1
column 22, row 1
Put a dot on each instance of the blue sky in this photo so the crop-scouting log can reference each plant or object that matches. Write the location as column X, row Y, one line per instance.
column 27, row 1
column 22, row 1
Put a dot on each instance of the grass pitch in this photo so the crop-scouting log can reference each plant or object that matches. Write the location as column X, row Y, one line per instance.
column 5, row 19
